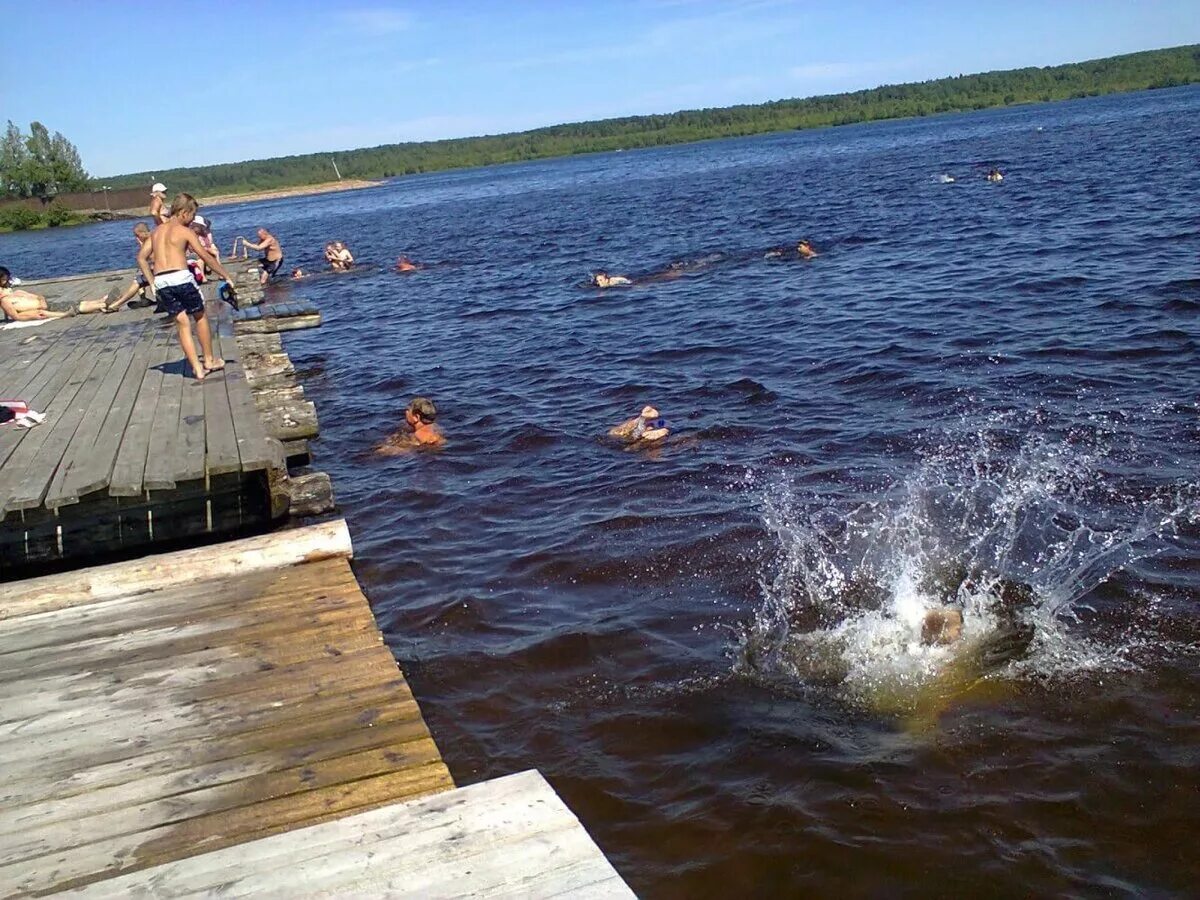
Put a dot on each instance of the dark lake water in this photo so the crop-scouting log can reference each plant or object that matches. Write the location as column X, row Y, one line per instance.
column 711, row 649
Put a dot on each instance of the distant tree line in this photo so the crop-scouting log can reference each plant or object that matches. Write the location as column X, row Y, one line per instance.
column 1131, row 72
column 39, row 164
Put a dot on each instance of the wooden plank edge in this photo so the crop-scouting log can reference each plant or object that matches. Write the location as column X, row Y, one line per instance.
column 153, row 573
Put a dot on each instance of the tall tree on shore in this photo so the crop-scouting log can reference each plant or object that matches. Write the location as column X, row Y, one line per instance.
column 40, row 165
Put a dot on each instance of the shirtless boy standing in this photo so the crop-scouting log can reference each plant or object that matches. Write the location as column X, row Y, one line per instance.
column 174, row 285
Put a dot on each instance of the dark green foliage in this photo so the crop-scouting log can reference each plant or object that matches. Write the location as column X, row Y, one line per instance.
column 39, row 164
column 1132, row 72
column 18, row 218
column 57, row 214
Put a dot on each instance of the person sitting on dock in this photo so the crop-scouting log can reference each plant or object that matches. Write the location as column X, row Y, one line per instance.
column 644, row 428
column 158, row 210
column 272, row 258
column 174, row 285
column 420, row 430
column 115, row 301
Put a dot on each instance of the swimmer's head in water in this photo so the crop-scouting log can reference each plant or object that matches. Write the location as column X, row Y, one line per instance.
column 297, row 273
column 421, row 410
column 805, row 249
column 141, row 230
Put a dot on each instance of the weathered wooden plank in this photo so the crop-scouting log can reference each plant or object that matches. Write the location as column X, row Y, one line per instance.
column 509, row 837
column 42, row 387
column 270, row 551
column 130, row 464
column 114, row 855
column 81, row 452
column 314, row 775
column 402, row 745
column 319, row 582
column 123, row 718
column 221, row 448
column 180, row 769
column 333, row 629
column 253, row 448
column 94, row 471
column 32, row 464
column 292, row 740
column 163, row 449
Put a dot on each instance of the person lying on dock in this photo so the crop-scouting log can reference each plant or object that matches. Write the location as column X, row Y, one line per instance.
column 272, row 258
column 644, row 428
column 803, row 250
column 24, row 306
column 404, row 264
column 419, row 431
column 174, row 286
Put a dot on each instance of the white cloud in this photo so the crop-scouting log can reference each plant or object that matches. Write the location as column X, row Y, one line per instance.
column 376, row 21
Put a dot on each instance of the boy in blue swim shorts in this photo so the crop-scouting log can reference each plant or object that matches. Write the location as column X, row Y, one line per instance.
column 175, row 287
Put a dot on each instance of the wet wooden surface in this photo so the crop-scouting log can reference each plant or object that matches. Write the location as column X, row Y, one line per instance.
column 511, row 837
column 183, row 714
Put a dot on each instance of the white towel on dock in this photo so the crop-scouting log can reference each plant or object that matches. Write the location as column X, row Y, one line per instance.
column 28, row 323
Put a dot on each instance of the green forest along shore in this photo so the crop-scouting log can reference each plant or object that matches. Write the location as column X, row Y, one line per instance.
column 1131, row 72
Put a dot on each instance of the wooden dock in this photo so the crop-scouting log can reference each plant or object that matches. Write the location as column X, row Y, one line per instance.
column 134, row 453
column 223, row 720
column 157, row 710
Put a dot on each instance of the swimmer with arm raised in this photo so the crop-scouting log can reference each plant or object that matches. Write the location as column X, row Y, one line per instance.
column 645, row 427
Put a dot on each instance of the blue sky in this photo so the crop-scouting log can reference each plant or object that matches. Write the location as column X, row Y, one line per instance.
column 140, row 86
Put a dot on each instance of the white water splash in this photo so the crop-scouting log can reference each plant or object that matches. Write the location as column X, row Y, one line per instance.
column 978, row 519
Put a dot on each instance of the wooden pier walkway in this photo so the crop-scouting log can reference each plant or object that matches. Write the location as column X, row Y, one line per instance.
column 134, row 452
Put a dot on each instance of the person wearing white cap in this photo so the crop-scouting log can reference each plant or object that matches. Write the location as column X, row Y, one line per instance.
column 645, row 426
column 158, row 194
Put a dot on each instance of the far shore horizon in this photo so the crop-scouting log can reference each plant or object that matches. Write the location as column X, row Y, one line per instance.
column 1125, row 73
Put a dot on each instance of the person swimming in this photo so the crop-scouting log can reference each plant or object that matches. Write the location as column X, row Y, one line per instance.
column 404, row 264
column 604, row 280
column 297, row 274
column 995, row 175
column 419, row 431
column 803, row 250
column 645, row 427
